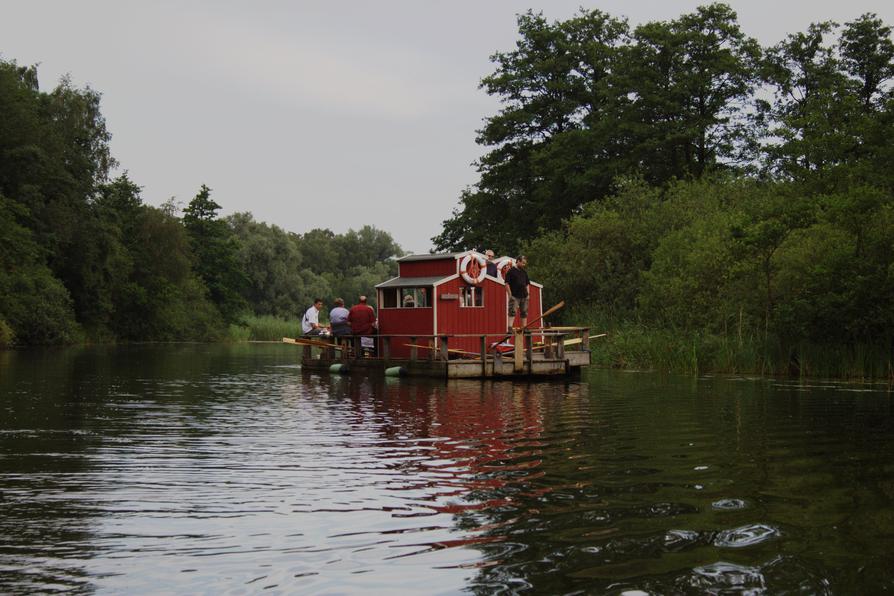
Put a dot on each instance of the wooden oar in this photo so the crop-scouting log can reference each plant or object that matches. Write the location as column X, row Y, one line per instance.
column 456, row 351
column 300, row 341
column 571, row 342
column 546, row 314
column 537, row 320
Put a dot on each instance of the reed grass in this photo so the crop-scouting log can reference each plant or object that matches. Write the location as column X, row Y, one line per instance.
column 634, row 345
column 264, row 328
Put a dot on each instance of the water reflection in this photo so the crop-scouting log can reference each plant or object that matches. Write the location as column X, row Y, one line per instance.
column 228, row 469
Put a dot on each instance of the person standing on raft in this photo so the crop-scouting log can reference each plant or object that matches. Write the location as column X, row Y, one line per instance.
column 491, row 266
column 362, row 318
column 517, row 282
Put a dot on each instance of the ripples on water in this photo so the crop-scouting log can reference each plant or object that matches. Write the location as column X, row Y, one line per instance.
column 214, row 469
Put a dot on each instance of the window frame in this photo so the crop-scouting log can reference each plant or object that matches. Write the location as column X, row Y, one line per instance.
column 473, row 291
column 400, row 293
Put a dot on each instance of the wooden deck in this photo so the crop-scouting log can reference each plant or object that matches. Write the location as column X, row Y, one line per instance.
column 538, row 353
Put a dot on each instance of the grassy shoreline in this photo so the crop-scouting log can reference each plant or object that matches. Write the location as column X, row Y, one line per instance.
column 634, row 346
column 263, row 328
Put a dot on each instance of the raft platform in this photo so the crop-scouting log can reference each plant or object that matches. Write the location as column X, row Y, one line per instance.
column 546, row 352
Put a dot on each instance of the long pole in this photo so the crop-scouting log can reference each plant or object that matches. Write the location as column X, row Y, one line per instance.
column 537, row 320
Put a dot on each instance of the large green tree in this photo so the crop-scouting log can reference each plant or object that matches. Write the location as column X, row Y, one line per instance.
column 586, row 101
column 549, row 151
column 34, row 306
column 158, row 295
column 272, row 263
column 683, row 89
column 83, row 256
column 54, row 156
column 831, row 112
column 216, row 254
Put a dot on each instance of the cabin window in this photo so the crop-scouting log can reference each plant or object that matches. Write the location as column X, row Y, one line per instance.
column 407, row 297
column 389, row 298
column 414, row 297
column 471, row 296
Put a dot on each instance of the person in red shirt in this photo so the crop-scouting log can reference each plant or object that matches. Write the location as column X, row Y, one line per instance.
column 362, row 318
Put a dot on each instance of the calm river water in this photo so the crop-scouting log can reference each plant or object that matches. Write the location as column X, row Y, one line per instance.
column 227, row 470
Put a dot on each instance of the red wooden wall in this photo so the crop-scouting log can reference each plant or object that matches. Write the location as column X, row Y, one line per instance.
column 409, row 321
column 451, row 317
column 444, row 267
column 491, row 318
column 535, row 307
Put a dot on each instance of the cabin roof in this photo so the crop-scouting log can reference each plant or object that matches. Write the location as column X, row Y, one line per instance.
column 434, row 257
column 406, row 282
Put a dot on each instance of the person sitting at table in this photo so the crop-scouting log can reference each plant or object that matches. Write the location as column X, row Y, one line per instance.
column 338, row 319
column 310, row 324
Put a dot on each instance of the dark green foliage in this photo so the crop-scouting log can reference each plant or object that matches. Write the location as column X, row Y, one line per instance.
column 164, row 299
column 215, row 249
column 758, row 265
column 287, row 271
column 587, row 101
column 719, row 198
column 34, row 306
column 82, row 257
column 710, row 202
column 273, row 264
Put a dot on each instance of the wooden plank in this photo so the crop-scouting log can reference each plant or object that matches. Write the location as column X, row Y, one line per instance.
column 529, row 353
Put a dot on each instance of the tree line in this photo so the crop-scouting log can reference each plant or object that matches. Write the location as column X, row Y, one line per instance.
column 680, row 176
column 83, row 258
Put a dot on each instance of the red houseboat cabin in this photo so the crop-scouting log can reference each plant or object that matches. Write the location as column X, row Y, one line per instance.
column 447, row 294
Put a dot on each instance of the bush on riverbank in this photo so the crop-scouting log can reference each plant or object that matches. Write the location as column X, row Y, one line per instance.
column 730, row 275
column 6, row 334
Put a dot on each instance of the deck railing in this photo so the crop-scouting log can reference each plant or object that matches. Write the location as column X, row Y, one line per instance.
column 553, row 344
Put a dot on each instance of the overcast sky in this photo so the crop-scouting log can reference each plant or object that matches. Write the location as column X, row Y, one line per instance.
column 314, row 114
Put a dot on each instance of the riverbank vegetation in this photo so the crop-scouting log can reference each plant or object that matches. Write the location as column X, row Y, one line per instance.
column 711, row 203
column 714, row 204
column 83, row 258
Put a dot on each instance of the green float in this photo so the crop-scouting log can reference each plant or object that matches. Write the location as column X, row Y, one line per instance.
column 395, row 371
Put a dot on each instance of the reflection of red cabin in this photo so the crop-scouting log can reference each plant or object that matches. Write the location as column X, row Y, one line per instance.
column 431, row 296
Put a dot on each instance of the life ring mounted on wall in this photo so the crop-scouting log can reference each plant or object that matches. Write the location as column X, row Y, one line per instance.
column 473, row 268
column 504, row 264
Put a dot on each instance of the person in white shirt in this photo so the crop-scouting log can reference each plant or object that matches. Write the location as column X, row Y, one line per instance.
column 310, row 324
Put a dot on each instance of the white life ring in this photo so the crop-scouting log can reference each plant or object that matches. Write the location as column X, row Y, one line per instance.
column 503, row 266
column 473, row 268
